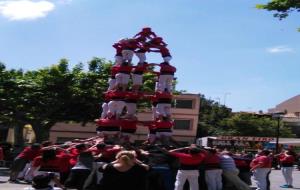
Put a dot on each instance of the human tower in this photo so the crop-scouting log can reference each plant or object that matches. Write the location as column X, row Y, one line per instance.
column 118, row 119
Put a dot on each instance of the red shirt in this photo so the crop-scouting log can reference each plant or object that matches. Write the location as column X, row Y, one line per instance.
column 114, row 70
column 164, row 124
column 29, row 154
column 59, row 164
column 117, row 95
column 163, row 95
column 164, row 52
column 108, row 122
column 128, row 124
column 212, row 159
column 133, row 96
column 140, row 68
column 167, row 68
column 123, row 68
column 144, row 35
column 188, row 159
column 287, row 159
column 130, row 44
column 265, row 161
column 118, row 47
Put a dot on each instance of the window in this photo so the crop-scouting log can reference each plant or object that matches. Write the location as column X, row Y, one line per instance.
column 185, row 104
column 182, row 124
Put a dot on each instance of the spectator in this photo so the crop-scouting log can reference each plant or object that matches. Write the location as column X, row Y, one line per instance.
column 189, row 167
column 213, row 171
column 124, row 173
column 81, row 171
column 26, row 156
column 261, row 167
column 287, row 162
column 230, row 172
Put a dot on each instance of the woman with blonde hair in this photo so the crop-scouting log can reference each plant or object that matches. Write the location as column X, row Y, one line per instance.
column 126, row 172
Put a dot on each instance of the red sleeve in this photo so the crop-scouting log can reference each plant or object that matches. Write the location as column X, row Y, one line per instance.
column 37, row 161
column 177, row 154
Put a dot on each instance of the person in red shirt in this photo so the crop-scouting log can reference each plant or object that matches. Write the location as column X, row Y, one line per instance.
column 164, row 130
column 116, row 103
column 261, row 168
column 163, row 107
column 104, row 111
column 108, row 128
column 213, row 171
column 128, row 48
column 128, row 128
column 166, row 77
column 123, row 76
column 104, row 152
column 137, row 75
column 119, row 47
column 131, row 100
column 26, row 156
column 145, row 34
column 49, row 161
column 189, row 167
column 112, row 82
column 287, row 160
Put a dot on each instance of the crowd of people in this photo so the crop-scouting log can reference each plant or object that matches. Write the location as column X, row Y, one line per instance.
column 93, row 164
column 118, row 119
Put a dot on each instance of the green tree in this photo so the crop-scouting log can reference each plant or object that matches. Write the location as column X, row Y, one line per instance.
column 210, row 114
column 282, row 7
column 247, row 124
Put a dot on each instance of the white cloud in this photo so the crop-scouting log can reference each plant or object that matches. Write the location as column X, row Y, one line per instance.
column 280, row 49
column 25, row 9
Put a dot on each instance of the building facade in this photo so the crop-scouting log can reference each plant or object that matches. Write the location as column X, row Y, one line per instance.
column 185, row 112
column 292, row 109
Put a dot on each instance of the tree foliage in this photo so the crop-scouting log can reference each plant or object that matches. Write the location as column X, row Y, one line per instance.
column 282, row 7
column 216, row 119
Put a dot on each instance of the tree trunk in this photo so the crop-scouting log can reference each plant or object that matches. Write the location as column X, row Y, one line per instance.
column 42, row 130
column 18, row 134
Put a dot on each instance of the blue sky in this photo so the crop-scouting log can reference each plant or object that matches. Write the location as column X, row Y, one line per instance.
column 227, row 50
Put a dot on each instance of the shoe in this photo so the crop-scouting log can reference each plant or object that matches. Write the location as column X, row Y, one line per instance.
column 290, row 186
column 284, row 186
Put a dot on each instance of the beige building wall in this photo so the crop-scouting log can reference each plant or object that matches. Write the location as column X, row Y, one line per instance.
column 189, row 116
column 291, row 105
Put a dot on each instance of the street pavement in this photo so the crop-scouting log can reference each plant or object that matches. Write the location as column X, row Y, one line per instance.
column 276, row 179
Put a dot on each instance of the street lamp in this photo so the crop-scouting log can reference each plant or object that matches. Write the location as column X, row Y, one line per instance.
column 278, row 116
column 225, row 96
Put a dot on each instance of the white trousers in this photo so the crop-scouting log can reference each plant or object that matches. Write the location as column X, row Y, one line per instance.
column 163, row 109
column 165, row 83
column 213, row 179
column 137, row 79
column 131, row 108
column 167, row 58
column 190, row 175
column 141, row 56
column 111, row 84
column 118, row 60
column 260, row 178
column 122, row 78
column 127, row 55
column 116, row 107
column 287, row 174
column 104, row 110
